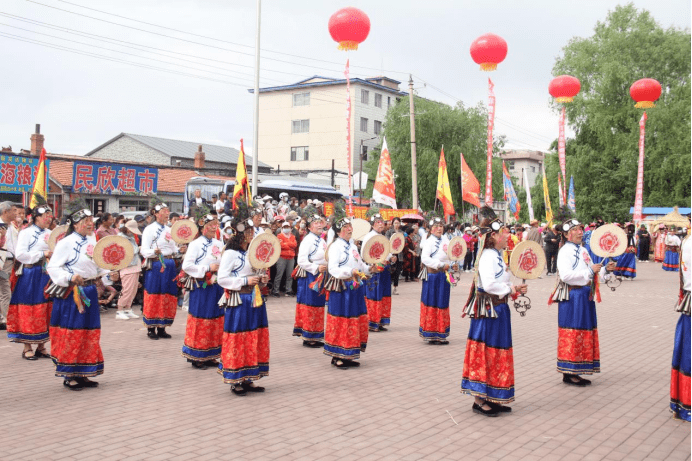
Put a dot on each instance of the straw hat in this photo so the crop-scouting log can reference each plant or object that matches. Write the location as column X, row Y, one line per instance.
column 132, row 227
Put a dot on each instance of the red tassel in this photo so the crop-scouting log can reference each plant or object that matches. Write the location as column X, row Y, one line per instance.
column 596, row 291
column 13, row 279
column 295, row 271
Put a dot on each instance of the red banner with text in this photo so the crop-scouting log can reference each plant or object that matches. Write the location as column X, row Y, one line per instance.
column 639, row 198
column 489, row 166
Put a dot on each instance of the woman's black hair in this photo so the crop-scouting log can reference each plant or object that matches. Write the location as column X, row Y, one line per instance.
column 236, row 242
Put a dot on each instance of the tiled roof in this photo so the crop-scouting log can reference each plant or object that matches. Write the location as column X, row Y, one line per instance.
column 171, row 179
column 186, row 149
column 329, row 82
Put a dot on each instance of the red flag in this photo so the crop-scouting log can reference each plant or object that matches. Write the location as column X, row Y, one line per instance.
column 489, row 165
column 242, row 188
column 470, row 187
column 383, row 191
column 444, row 192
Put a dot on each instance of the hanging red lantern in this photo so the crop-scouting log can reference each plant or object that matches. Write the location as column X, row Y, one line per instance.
column 564, row 88
column 349, row 26
column 489, row 50
column 645, row 91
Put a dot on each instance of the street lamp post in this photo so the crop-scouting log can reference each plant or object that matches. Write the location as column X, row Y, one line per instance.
column 360, row 176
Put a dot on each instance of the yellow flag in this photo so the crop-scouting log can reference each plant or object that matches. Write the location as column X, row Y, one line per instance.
column 546, row 197
column 40, row 186
column 241, row 188
column 444, row 193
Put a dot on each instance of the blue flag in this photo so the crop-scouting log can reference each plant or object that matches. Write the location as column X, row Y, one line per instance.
column 510, row 195
column 570, row 201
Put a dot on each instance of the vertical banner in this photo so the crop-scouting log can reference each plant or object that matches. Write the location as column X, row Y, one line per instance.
column 546, row 198
column 384, row 192
column 559, row 189
column 489, row 166
column 348, row 139
column 561, row 157
column 444, row 192
column 510, row 195
column 639, row 199
column 571, row 203
column 527, row 186
column 470, row 187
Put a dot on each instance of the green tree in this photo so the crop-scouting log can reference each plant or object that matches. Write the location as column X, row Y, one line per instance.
column 459, row 129
column 603, row 156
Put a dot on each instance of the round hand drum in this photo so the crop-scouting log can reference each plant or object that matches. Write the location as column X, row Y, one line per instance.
column 264, row 251
column 376, row 250
column 184, row 231
column 56, row 235
column 397, row 242
column 113, row 252
column 360, row 228
column 608, row 241
column 527, row 260
column 456, row 250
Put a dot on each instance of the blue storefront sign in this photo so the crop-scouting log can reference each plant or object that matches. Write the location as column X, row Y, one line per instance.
column 101, row 178
column 17, row 173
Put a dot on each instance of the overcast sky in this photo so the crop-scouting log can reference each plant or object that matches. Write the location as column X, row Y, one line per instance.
column 82, row 101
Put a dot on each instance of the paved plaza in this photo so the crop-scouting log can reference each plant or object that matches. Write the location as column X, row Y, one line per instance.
column 403, row 403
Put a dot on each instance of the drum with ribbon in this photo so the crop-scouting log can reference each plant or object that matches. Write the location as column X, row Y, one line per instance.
column 360, row 228
column 527, row 262
column 113, row 253
column 609, row 241
column 56, row 235
column 376, row 250
column 263, row 252
column 456, row 251
column 184, row 231
column 397, row 242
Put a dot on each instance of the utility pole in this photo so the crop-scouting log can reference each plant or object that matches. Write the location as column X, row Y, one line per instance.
column 333, row 173
column 255, row 135
column 414, row 163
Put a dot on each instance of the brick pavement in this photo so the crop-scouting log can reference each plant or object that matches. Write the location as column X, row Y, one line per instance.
column 402, row 404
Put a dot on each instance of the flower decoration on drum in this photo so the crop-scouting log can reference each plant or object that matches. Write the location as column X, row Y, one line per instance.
column 376, row 250
column 457, row 250
column 113, row 254
column 264, row 251
column 564, row 88
column 489, row 50
column 645, row 91
column 396, row 244
column 183, row 233
column 349, row 27
column 528, row 261
column 609, row 242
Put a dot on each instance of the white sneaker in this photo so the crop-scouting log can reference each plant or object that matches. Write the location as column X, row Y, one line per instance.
column 131, row 314
column 121, row 315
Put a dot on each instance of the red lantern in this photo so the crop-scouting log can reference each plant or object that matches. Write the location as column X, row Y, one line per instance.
column 349, row 26
column 489, row 50
column 645, row 92
column 564, row 88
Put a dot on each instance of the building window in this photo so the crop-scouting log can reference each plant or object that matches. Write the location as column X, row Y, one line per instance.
column 389, row 101
column 364, row 96
column 364, row 125
column 300, row 126
column 533, row 169
column 378, row 100
column 364, row 153
column 299, row 154
column 377, row 129
column 301, row 99
column 510, row 164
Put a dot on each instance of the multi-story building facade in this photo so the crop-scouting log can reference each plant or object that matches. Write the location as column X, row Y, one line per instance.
column 518, row 161
column 303, row 126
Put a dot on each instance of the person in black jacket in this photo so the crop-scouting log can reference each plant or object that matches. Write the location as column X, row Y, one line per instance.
column 552, row 243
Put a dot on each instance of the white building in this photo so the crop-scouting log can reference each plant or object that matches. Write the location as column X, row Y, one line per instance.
column 303, row 126
column 519, row 160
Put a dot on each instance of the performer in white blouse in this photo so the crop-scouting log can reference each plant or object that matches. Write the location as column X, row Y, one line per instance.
column 204, row 328
column 680, row 371
column 309, row 322
column 160, row 288
column 75, row 325
column 671, row 261
column 346, row 334
column 577, row 349
column 378, row 289
column 434, row 298
column 29, row 312
column 489, row 361
column 245, row 346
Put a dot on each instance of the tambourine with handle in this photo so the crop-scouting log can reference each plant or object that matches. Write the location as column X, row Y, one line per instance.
column 184, row 231
column 609, row 241
column 376, row 250
column 360, row 228
column 456, row 250
column 397, row 242
column 526, row 262
column 113, row 253
column 264, row 251
column 56, row 235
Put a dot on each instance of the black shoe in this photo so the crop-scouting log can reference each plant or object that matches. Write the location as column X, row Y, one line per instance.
column 29, row 357
column 567, row 379
column 352, row 363
column 238, row 390
column 199, row 365
column 249, row 387
column 161, row 333
column 343, row 364
column 276, row 295
column 443, row 342
column 479, row 409
column 87, row 383
column 151, row 333
column 212, row 363
column 290, row 293
column 312, row 344
column 41, row 354
column 498, row 407
column 78, row 386
column 3, row 326
column 382, row 328
column 433, row 342
column 585, row 381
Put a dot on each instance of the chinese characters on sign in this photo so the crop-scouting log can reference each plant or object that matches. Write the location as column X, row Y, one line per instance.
column 100, row 178
column 17, row 173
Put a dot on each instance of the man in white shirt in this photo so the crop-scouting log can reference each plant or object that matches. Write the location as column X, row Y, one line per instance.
column 220, row 204
column 8, row 213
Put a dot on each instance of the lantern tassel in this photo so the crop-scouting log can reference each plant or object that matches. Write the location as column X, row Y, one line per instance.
column 348, row 45
column 645, row 105
column 488, row 66
column 564, row 99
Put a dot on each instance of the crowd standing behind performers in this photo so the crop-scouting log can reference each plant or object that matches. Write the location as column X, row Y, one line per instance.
column 340, row 298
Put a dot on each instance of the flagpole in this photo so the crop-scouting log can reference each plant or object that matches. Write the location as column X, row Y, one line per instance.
column 255, row 135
